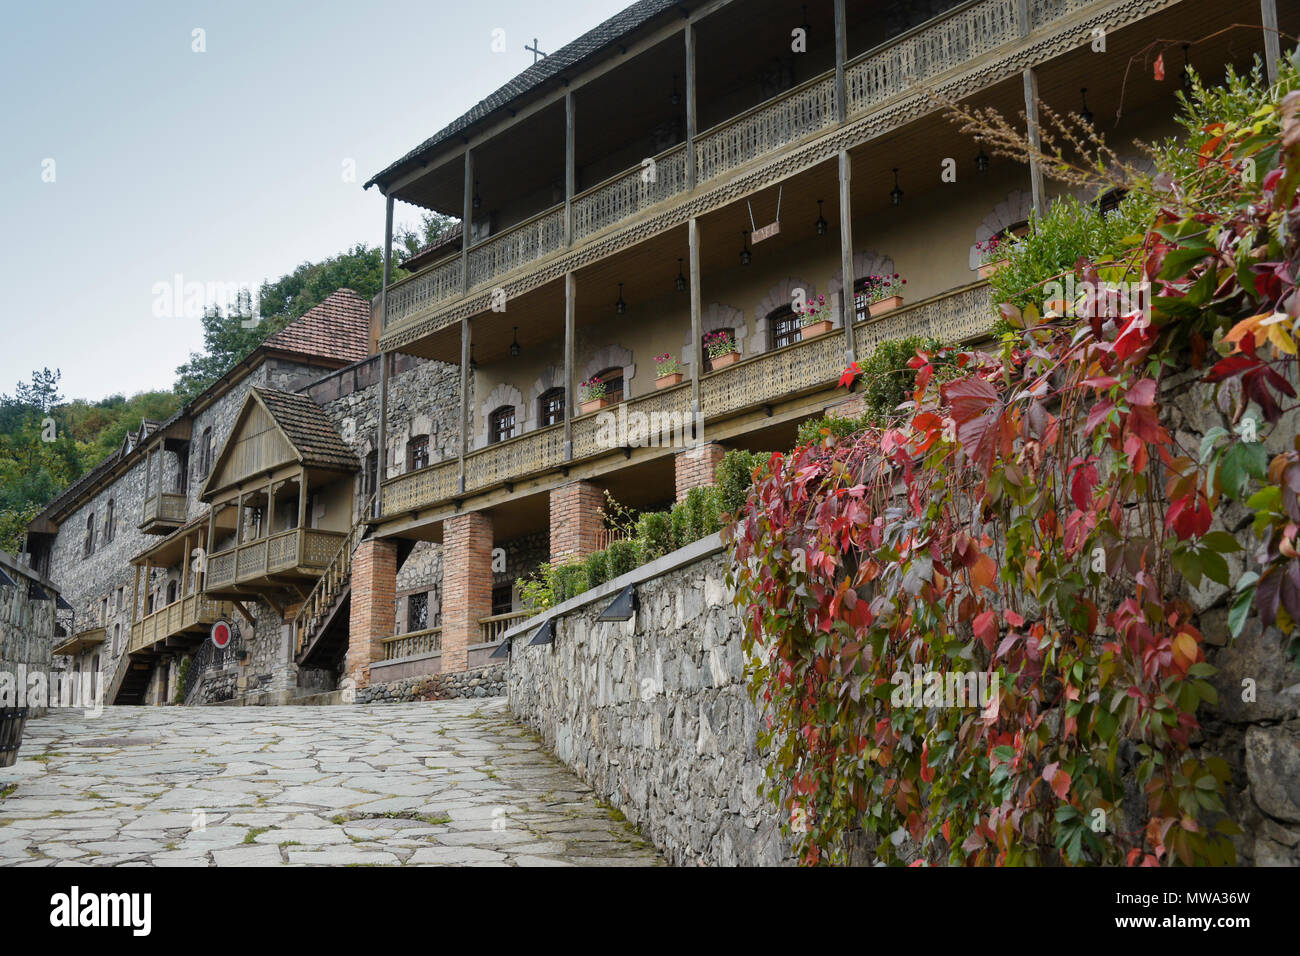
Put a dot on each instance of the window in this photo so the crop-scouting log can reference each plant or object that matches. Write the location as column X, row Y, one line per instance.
column 103, row 612
column 501, row 424
column 550, row 407
column 417, row 453
column 254, row 520
column 171, row 592
column 503, row 599
column 417, row 612
column 205, row 452
column 108, row 522
column 370, row 480
column 613, row 379
column 182, row 472
column 88, row 547
column 783, row 328
column 704, row 350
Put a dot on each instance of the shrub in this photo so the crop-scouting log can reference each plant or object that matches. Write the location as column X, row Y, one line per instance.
column 623, row 556
column 570, row 581
column 597, row 568
column 700, row 514
column 677, row 519
column 654, row 531
column 735, row 475
column 838, row 426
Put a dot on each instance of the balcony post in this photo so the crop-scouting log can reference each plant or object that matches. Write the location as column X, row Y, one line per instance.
column 570, row 173
column 689, row 33
column 848, row 300
column 185, row 568
column 570, row 294
column 381, row 438
column 266, row 526
column 135, row 601
column 697, row 345
column 841, row 58
column 211, row 540
column 302, row 499
column 1031, row 113
column 466, row 215
column 148, row 470
column 1272, row 51
column 160, row 478
column 239, row 526
column 464, row 399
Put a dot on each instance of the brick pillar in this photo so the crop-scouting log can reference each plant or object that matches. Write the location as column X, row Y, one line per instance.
column 697, row 466
column 373, row 611
column 576, row 520
column 466, row 585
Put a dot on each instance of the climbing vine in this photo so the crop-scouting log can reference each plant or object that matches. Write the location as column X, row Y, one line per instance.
column 1031, row 528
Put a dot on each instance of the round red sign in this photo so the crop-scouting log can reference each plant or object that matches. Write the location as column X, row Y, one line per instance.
column 221, row 634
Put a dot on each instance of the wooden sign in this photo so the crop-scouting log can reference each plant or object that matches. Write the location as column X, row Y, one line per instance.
column 767, row 232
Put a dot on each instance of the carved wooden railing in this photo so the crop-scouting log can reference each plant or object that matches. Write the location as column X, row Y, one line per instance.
column 175, row 618
column 491, row 628
column 785, row 119
column 524, row 243
column 336, row 575
column 412, row 644
column 419, row 291
column 957, row 316
column 305, row 549
column 532, row 451
column 630, row 192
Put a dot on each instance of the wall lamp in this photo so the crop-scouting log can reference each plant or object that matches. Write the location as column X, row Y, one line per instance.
column 624, row 606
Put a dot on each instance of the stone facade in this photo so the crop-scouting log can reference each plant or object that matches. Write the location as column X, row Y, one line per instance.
column 654, row 713
column 27, row 627
column 476, row 682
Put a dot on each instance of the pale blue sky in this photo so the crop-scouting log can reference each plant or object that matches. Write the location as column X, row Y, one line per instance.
column 224, row 166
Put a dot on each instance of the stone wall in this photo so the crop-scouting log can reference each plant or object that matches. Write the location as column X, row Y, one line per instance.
column 477, row 682
column 654, row 714
column 26, row 626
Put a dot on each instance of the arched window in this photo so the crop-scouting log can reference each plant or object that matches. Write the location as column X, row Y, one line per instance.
column 501, row 424
column 782, row 327
column 88, row 547
column 108, row 522
column 704, row 348
column 370, row 481
column 205, row 453
column 171, row 592
column 613, row 379
column 417, row 453
column 550, row 407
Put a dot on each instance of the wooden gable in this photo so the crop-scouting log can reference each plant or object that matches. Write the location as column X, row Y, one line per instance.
column 256, row 444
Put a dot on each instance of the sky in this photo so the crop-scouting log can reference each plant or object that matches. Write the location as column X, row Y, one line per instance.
column 132, row 163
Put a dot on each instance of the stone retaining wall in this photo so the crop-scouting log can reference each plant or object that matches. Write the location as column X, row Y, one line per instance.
column 653, row 713
column 479, row 682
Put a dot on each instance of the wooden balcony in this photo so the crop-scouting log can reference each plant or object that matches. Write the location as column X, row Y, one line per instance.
column 977, row 43
column 163, row 513
column 770, row 377
column 299, row 552
column 189, row 615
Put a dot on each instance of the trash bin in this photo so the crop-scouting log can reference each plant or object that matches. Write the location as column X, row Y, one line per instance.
column 12, row 720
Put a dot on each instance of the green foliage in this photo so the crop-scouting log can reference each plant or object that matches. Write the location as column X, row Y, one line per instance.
column 654, row 529
column 830, row 425
column 570, row 581
column 735, row 475
column 888, row 380
column 699, row 514
column 624, row 555
column 597, row 568
column 182, row 673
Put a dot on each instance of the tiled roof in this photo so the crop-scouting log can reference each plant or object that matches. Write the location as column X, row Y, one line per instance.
column 308, row 429
column 565, row 58
column 426, row 254
column 338, row 328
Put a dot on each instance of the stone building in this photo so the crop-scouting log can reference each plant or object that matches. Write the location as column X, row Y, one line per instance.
column 30, row 609
column 671, row 188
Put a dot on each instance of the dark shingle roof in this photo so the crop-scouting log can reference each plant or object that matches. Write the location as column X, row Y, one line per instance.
column 565, row 58
column 337, row 328
column 308, row 429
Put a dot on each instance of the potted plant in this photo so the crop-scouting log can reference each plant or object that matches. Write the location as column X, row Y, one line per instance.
column 814, row 320
column 668, row 370
column 883, row 292
column 721, row 346
column 993, row 254
column 593, row 395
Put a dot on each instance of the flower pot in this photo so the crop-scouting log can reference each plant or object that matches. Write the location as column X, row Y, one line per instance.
column 817, row 328
column 594, row 405
column 988, row 268
column 722, row 361
column 887, row 304
column 668, row 381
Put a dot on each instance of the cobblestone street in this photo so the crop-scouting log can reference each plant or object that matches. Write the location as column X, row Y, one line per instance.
column 450, row 782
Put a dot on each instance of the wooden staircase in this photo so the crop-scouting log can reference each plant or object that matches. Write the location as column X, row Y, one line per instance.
column 131, row 681
column 320, row 626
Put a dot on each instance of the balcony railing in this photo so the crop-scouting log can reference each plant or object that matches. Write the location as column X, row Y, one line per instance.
column 526, row 242
column 164, row 512
column 189, row 613
column 665, row 415
column 307, row 550
column 491, row 628
column 412, row 644
column 629, row 193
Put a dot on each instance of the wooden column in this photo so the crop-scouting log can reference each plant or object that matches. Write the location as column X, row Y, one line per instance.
column 211, row 542
column 464, row 398
column 466, row 216
column 570, row 405
column 690, row 104
column 1031, row 112
column 302, row 501
column 148, row 588
column 841, row 58
column 185, row 568
column 266, row 526
column 135, row 599
column 570, row 171
column 697, row 349
column 381, row 437
column 1272, row 49
column 148, row 471
column 239, row 527
column 160, row 478
column 848, row 312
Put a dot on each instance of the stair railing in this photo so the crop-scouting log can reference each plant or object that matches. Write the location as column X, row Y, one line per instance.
column 330, row 583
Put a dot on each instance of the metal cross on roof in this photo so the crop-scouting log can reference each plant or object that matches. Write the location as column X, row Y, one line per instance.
column 537, row 54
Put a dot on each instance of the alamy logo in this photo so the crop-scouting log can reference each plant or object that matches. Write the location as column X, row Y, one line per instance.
column 102, row 909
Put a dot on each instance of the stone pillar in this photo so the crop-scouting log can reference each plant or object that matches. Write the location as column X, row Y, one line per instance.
column 466, row 585
column 698, row 466
column 576, row 520
column 373, row 610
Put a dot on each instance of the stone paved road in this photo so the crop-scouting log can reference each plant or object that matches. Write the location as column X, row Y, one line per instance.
column 452, row 782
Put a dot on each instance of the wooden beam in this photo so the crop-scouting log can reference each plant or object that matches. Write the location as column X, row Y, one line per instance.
column 239, row 606
column 464, row 398
column 691, row 118
column 570, row 402
column 848, row 311
column 697, row 347
column 570, row 170
column 1031, row 112
column 841, row 58
column 1272, row 47
column 466, row 216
